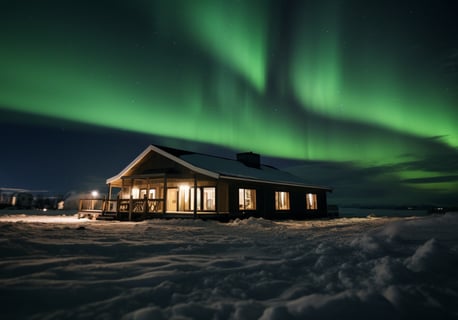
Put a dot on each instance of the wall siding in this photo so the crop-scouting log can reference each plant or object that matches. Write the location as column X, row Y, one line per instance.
column 265, row 201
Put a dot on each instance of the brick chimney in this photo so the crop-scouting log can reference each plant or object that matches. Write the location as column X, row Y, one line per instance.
column 249, row 159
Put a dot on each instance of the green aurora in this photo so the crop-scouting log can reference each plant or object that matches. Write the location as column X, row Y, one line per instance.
column 306, row 80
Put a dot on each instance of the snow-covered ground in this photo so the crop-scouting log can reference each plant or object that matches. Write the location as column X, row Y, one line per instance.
column 62, row 267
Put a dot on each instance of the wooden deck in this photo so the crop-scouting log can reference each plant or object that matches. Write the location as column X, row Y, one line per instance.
column 138, row 209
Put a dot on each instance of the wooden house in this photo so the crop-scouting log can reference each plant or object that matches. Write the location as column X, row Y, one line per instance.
column 166, row 182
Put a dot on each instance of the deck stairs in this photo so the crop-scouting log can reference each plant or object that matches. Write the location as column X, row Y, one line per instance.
column 107, row 216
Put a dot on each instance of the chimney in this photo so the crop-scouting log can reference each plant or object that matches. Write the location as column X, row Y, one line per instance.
column 249, row 159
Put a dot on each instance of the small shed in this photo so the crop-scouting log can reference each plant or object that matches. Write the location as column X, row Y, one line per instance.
column 167, row 182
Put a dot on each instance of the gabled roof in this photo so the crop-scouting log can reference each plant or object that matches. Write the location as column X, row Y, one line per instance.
column 169, row 155
column 218, row 167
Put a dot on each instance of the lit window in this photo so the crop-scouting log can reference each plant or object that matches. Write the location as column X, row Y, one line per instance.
column 197, row 198
column 183, row 198
column 247, row 199
column 282, row 200
column 312, row 203
column 152, row 193
column 135, row 193
column 209, row 199
column 125, row 193
column 186, row 198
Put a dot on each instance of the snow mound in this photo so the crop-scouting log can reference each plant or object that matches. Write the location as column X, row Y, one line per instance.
column 246, row 269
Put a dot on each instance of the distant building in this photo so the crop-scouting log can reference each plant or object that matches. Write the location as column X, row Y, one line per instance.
column 5, row 197
column 166, row 182
column 22, row 200
column 28, row 199
column 14, row 197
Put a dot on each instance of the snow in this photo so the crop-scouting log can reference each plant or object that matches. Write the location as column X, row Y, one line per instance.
column 235, row 168
column 62, row 267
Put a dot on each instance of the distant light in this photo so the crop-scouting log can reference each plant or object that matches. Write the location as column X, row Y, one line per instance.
column 95, row 193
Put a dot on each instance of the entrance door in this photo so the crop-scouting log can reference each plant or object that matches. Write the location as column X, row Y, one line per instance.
column 172, row 199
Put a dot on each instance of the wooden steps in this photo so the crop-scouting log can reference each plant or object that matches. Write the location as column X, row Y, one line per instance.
column 107, row 216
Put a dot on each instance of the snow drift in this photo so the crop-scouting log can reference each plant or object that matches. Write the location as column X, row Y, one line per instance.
column 62, row 267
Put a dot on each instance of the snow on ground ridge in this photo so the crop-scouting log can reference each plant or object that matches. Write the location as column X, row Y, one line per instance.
column 245, row 269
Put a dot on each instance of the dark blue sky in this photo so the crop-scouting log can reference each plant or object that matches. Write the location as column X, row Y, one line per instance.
column 359, row 96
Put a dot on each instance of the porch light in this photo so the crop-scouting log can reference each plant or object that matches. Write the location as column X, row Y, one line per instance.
column 95, row 194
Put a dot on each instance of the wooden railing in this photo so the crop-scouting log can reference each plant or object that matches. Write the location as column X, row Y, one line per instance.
column 141, row 205
column 110, row 206
column 122, row 205
column 91, row 205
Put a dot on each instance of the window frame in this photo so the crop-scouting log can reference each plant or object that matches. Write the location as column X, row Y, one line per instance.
column 279, row 206
column 247, row 203
column 311, row 201
column 205, row 201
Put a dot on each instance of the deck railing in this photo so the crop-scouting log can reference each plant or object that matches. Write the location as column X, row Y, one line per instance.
column 141, row 205
column 122, row 205
column 91, row 205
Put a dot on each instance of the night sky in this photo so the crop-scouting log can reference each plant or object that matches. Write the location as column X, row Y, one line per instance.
column 358, row 95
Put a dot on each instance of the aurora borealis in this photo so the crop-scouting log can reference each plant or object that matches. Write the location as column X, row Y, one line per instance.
column 350, row 83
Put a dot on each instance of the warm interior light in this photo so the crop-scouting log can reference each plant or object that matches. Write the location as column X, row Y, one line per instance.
column 312, row 203
column 135, row 193
column 183, row 187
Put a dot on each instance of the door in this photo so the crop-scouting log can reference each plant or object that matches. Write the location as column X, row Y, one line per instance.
column 172, row 199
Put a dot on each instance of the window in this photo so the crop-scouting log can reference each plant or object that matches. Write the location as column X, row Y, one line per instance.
column 247, row 199
column 209, row 199
column 197, row 198
column 282, row 200
column 312, row 203
column 184, row 198
column 151, row 193
column 135, row 193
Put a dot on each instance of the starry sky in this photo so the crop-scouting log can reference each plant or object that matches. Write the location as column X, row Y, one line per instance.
column 358, row 95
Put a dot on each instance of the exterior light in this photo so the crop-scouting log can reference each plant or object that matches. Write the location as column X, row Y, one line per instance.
column 95, row 193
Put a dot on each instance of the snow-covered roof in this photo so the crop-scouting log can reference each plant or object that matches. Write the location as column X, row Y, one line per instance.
column 218, row 167
column 166, row 154
column 233, row 169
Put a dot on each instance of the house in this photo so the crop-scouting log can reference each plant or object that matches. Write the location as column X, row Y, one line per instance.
column 23, row 200
column 166, row 182
column 15, row 198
